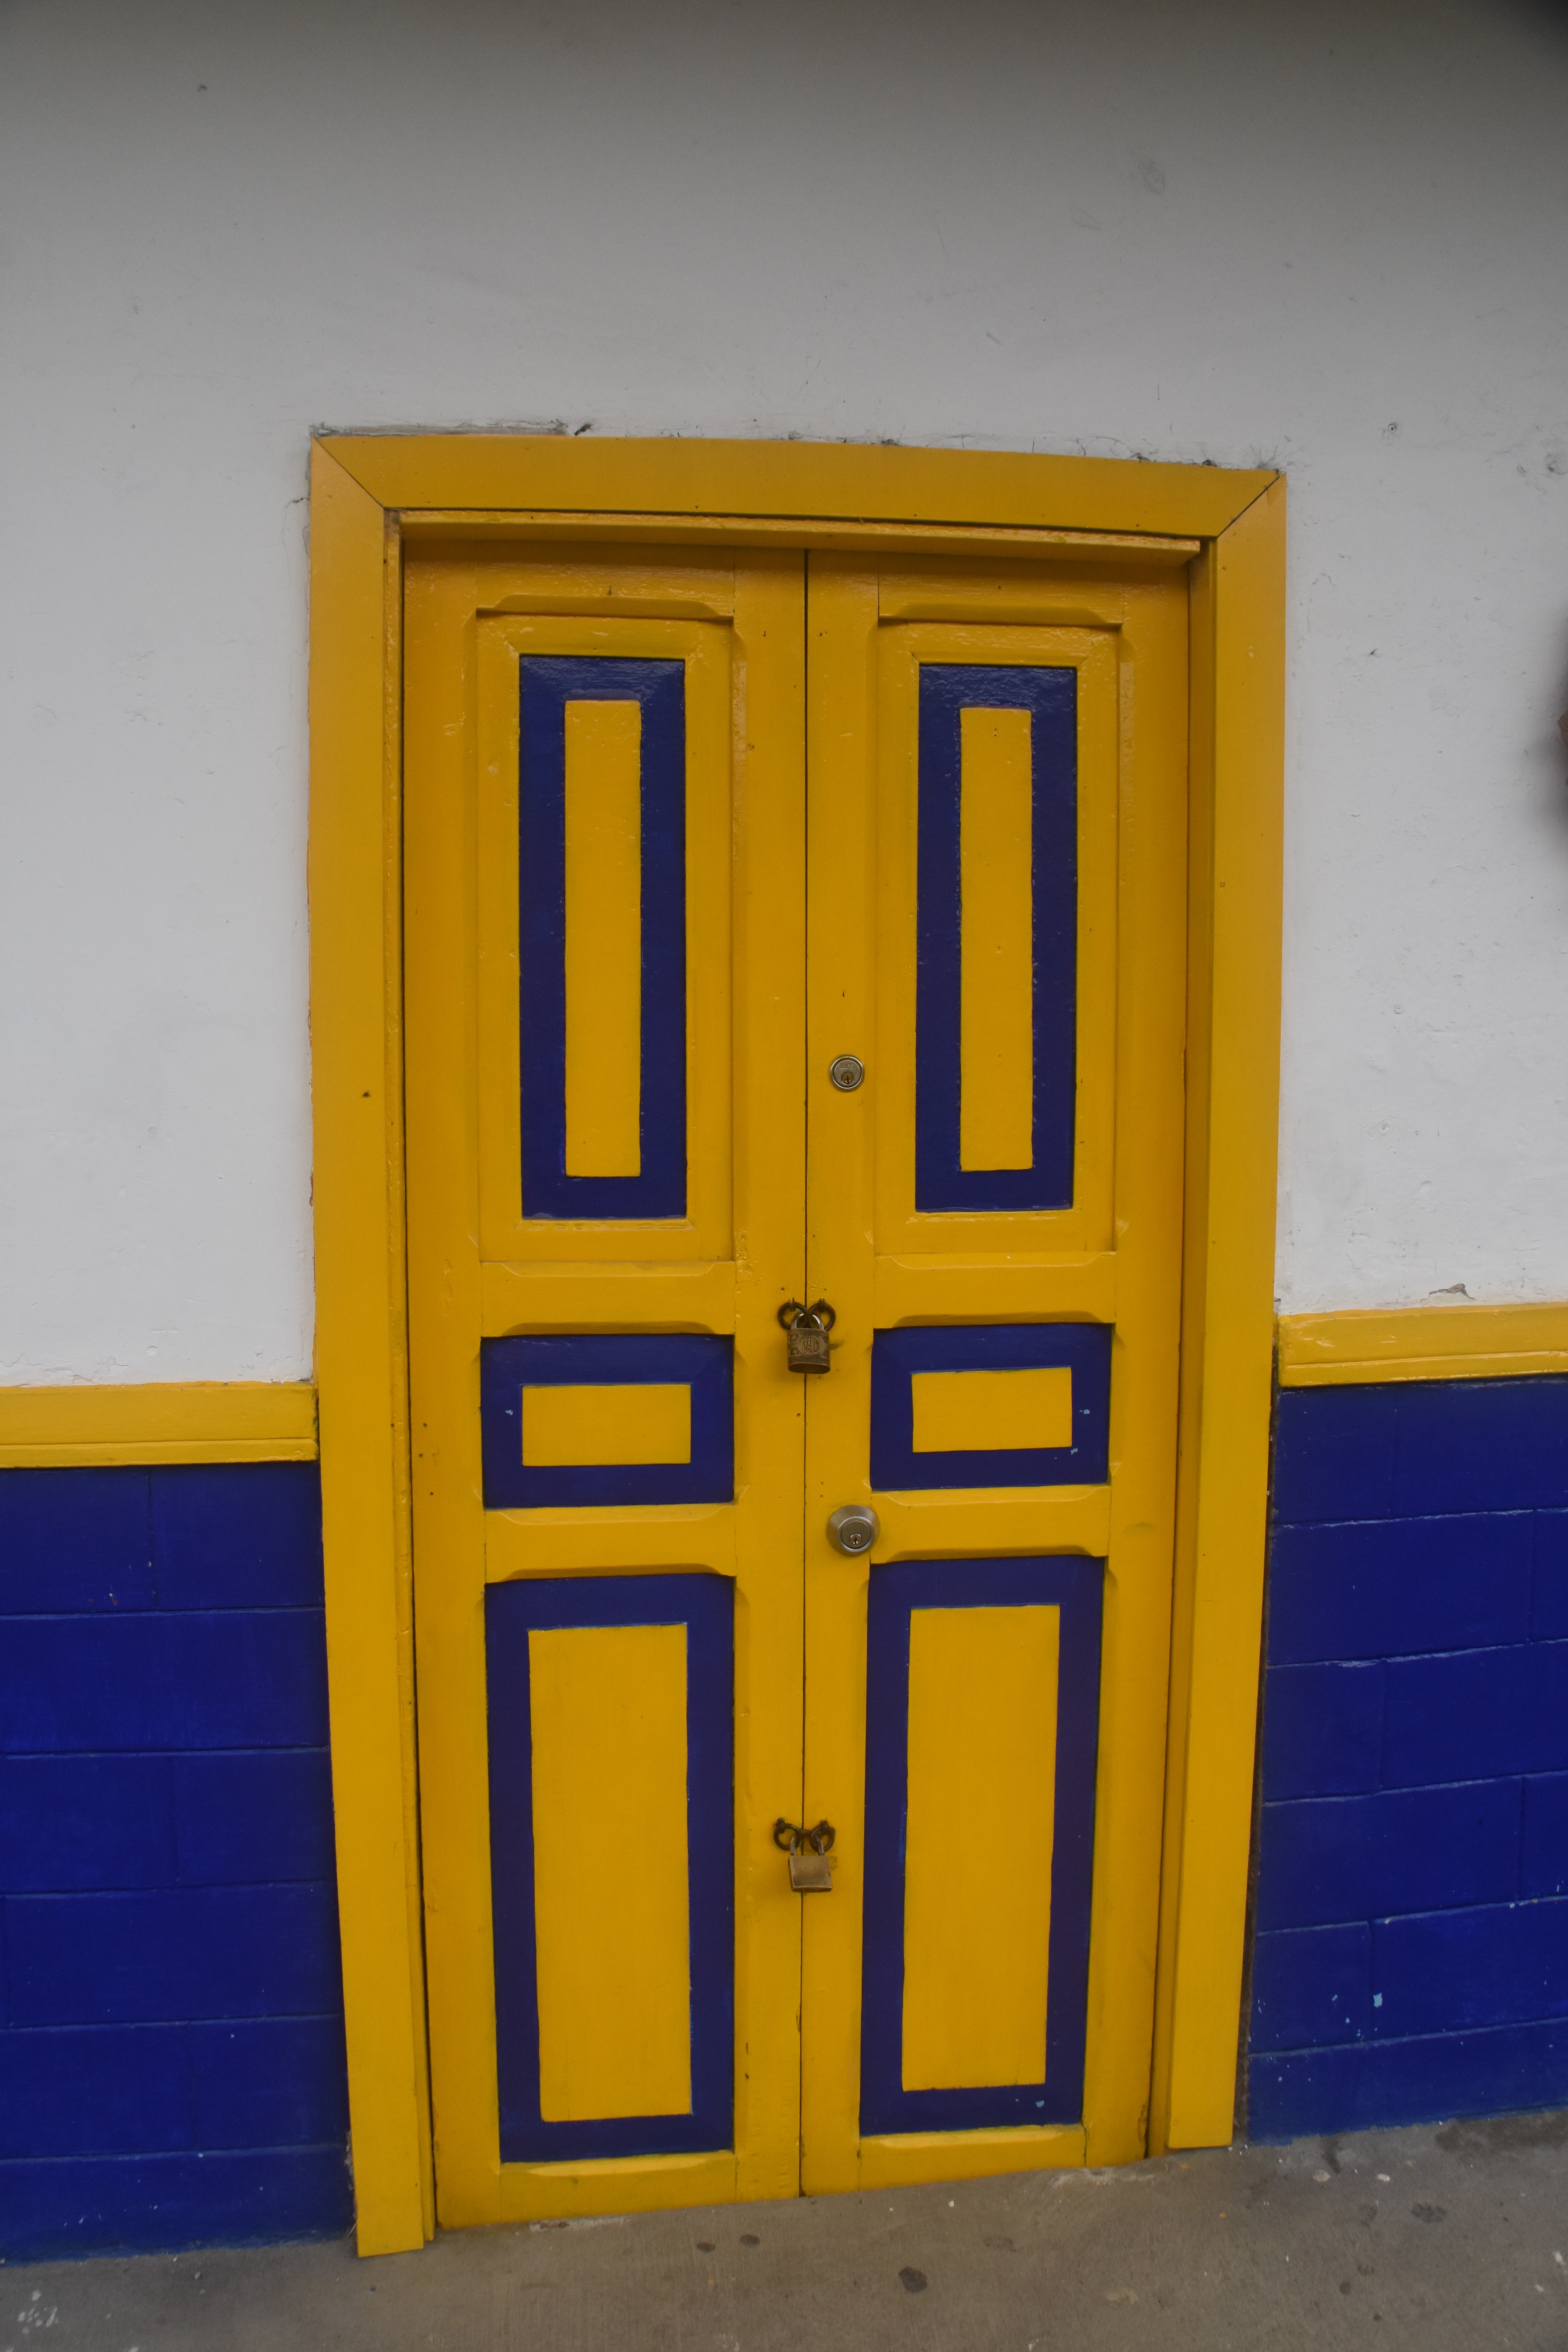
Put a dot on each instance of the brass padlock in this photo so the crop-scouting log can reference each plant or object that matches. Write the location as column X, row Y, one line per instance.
column 810, row 1872
column 805, row 1331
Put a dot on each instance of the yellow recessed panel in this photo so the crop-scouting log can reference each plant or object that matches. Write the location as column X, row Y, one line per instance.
column 604, row 939
column 997, row 985
column 970, row 1412
column 978, row 1871
column 625, row 1422
column 612, row 1927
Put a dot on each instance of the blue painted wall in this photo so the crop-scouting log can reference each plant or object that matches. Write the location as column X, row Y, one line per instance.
column 171, row 2008
column 1411, row 1958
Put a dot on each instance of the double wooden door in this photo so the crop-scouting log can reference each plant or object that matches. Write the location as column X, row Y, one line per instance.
column 786, row 927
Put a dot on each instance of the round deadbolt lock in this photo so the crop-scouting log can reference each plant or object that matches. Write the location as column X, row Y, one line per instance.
column 846, row 1073
column 854, row 1528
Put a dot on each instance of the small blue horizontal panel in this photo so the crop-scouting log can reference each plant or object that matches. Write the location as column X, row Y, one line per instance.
column 1427, row 2079
column 1543, row 1864
column 1050, row 696
column 101, row 2090
column 1073, row 1585
column 186, row 1952
column 1311, row 1986
column 252, row 1818
column 1482, row 1445
column 1549, row 1605
column 1476, row 1714
column 704, row 1605
column 68, row 1823
column 1372, row 1588
column 704, row 1365
column 237, row 1535
column 1325, row 1859
column 660, row 686
column 1334, row 1454
column 236, row 1678
column 1501, row 1963
column 1322, row 1729
column 269, row 2081
column 74, row 1540
column 898, row 1356
column 145, row 2204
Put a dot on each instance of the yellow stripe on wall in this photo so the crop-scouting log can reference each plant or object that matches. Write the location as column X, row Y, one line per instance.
column 604, row 939
column 623, row 1422
column 970, row 1413
column 977, row 1873
column 996, row 1001
column 157, row 1420
column 610, row 1871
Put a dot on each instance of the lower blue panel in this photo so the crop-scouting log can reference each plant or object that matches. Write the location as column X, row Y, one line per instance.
column 1076, row 1586
column 704, row 1605
column 1424, row 2079
column 153, row 2204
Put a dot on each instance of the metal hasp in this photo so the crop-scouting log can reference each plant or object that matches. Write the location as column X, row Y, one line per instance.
column 846, row 1073
column 854, row 1528
column 807, row 1330
column 808, row 1850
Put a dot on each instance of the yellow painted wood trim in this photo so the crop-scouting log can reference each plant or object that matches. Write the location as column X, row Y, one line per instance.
column 907, row 2158
column 1013, row 1289
column 158, row 1420
column 1233, row 1067
column 361, row 1345
column 830, row 480
column 1468, row 1342
column 627, row 1294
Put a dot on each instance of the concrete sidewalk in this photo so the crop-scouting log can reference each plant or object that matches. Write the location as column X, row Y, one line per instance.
column 1453, row 2237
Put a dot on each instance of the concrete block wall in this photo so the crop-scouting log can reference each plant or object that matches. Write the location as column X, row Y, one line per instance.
column 171, row 2011
column 1411, row 1958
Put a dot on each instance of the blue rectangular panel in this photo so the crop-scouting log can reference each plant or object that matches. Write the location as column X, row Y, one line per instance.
column 74, row 1539
column 252, row 1818
column 1543, row 1864
column 269, row 2081
column 1050, row 696
column 132, row 2204
column 1075, row 1586
column 1496, row 1964
column 1334, row 1454
column 898, row 1356
column 704, row 1365
column 68, row 1823
column 1374, row 1589
column 1482, row 1445
column 1312, row 1986
column 1549, row 1605
column 1322, row 1729
column 660, row 686
column 230, row 1535
column 251, row 1678
column 1423, row 2080
column 1343, row 1858
column 703, row 1604
column 100, row 2090
column 1476, row 1714
column 210, row 1951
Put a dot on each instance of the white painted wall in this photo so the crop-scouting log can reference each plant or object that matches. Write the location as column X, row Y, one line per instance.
column 1332, row 237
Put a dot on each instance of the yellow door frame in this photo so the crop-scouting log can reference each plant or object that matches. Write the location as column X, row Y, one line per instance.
column 370, row 497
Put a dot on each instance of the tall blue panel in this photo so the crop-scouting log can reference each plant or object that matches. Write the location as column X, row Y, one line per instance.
column 660, row 686
column 172, row 2067
column 1050, row 696
column 1073, row 1585
column 704, row 1605
column 1414, row 1844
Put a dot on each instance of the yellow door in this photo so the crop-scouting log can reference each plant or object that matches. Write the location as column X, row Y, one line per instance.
column 779, row 928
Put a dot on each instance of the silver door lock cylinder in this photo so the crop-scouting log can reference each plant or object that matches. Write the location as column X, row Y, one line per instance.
column 854, row 1528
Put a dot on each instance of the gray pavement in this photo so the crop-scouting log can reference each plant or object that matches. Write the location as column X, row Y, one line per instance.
column 1453, row 2236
